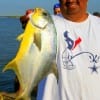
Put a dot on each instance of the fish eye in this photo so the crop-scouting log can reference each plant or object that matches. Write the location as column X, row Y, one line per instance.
column 44, row 13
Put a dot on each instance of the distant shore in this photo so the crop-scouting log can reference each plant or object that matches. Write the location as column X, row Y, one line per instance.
column 10, row 16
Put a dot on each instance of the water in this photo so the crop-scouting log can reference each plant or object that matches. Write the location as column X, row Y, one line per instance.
column 10, row 28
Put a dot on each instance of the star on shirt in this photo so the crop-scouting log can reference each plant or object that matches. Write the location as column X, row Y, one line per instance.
column 94, row 69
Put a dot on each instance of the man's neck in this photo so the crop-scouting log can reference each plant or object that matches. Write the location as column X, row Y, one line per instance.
column 76, row 17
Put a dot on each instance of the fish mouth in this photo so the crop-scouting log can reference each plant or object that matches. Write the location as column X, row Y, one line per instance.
column 41, row 22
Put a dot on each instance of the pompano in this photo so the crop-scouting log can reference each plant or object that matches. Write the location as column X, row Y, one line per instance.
column 36, row 56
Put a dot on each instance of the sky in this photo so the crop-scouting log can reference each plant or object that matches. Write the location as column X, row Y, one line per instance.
column 18, row 7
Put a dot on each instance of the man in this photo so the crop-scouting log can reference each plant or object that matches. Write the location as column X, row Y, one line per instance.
column 96, row 14
column 56, row 9
column 78, row 54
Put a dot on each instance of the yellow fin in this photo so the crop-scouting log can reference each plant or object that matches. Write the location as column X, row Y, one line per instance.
column 10, row 65
column 20, row 37
column 37, row 40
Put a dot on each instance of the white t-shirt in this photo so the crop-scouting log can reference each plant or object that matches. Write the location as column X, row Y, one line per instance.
column 78, row 61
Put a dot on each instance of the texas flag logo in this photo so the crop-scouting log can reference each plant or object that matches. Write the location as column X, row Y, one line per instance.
column 72, row 44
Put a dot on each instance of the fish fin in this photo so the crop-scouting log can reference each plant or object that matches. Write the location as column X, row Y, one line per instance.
column 54, row 70
column 23, row 96
column 20, row 37
column 37, row 40
column 10, row 65
column 7, row 96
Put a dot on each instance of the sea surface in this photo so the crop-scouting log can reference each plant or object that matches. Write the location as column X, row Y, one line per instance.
column 10, row 28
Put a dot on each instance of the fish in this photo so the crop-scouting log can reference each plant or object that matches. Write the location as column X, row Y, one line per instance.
column 36, row 55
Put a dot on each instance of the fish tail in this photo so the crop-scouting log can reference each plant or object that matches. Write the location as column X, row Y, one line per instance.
column 23, row 96
column 11, row 65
